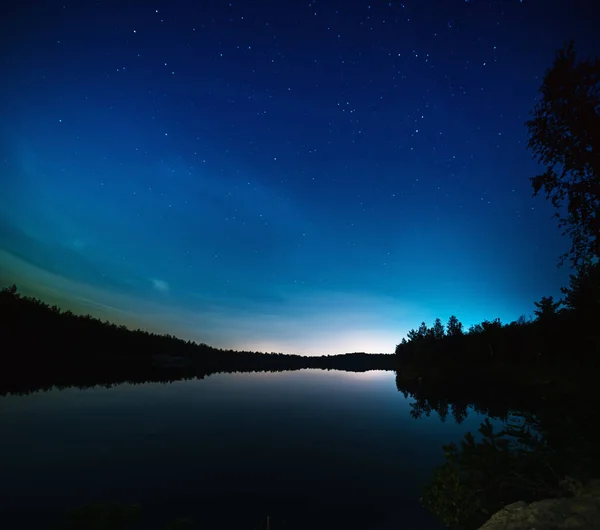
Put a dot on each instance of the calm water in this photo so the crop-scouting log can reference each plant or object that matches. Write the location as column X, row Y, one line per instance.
column 329, row 449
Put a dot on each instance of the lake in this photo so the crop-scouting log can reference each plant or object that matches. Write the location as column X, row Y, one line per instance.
column 328, row 449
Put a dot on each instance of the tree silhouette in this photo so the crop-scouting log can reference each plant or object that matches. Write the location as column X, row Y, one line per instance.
column 438, row 329
column 564, row 136
column 454, row 328
column 475, row 329
column 546, row 308
column 521, row 321
column 583, row 293
column 423, row 331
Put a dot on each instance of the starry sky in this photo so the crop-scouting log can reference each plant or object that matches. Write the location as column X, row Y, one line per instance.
column 303, row 176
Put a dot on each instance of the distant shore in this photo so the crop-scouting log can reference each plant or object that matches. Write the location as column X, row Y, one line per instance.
column 46, row 347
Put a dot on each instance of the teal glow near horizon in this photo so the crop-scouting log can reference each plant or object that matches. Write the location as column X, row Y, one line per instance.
column 309, row 179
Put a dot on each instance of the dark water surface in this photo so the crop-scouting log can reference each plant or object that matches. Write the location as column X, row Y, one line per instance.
column 310, row 449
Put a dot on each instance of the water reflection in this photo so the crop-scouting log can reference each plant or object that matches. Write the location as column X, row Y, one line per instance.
column 305, row 447
column 540, row 444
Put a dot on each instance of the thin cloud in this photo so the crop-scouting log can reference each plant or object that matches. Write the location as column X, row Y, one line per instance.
column 160, row 285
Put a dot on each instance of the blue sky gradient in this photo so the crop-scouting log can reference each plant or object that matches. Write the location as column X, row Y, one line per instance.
column 305, row 177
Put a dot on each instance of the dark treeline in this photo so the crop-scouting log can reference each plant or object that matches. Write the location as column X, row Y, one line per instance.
column 563, row 336
column 44, row 347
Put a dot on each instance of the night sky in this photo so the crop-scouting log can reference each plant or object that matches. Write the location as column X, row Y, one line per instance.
column 305, row 177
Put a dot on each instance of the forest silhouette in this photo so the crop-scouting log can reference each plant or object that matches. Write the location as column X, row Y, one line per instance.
column 45, row 347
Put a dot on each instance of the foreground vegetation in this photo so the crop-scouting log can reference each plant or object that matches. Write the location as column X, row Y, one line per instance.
column 540, row 443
